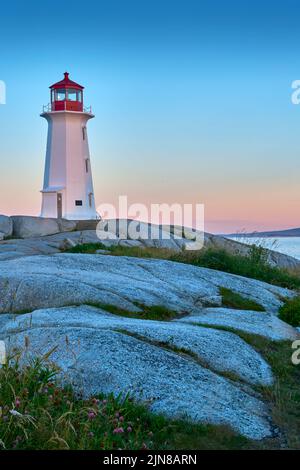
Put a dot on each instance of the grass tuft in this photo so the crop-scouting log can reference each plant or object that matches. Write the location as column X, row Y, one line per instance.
column 234, row 300
column 290, row 311
column 152, row 312
column 87, row 248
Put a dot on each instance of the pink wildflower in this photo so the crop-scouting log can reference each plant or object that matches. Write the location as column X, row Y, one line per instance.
column 118, row 431
column 91, row 415
column 17, row 402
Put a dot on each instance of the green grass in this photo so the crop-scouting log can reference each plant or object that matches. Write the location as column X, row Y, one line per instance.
column 87, row 248
column 290, row 311
column 234, row 300
column 153, row 312
column 253, row 265
column 52, row 417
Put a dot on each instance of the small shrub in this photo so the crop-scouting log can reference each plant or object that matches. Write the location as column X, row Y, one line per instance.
column 290, row 311
column 258, row 255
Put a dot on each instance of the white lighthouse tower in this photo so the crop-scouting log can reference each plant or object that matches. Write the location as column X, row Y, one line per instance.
column 68, row 185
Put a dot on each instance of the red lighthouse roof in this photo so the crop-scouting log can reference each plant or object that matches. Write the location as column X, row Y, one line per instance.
column 66, row 83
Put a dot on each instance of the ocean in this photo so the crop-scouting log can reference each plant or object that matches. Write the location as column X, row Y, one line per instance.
column 287, row 245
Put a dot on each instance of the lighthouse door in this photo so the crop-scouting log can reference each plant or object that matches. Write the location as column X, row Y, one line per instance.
column 59, row 205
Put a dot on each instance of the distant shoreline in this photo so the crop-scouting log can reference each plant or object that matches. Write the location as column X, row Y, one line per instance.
column 293, row 232
column 288, row 245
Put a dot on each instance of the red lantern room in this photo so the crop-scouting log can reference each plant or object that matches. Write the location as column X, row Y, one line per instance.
column 66, row 95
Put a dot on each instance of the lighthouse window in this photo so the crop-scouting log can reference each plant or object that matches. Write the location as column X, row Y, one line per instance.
column 73, row 95
column 84, row 133
column 86, row 165
column 90, row 199
column 60, row 95
column 78, row 203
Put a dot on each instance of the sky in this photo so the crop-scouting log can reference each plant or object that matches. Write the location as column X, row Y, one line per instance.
column 192, row 102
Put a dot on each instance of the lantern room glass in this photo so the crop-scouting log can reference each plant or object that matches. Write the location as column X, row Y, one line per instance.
column 60, row 95
column 67, row 94
column 74, row 95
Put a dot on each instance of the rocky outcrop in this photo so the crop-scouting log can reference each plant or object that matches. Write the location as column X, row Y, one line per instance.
column 47, row 245
column 30, row 227
column 236, row 357
column 34, row 282
column 256, row 323
column 97, row 352
column 184, row 368
column 6, row 227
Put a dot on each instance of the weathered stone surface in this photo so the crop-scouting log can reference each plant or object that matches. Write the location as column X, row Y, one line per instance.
column 29, row 227
column 66, row 244
column 131, row 243
column 97, row 358
column 17, row 248
column 53, row 281
column 258, row 323
column 66, row 225
column 6, row 226
column 83, row 225
column 220, row 351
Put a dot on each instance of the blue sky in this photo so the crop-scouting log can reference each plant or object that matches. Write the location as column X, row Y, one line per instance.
column 192, row 103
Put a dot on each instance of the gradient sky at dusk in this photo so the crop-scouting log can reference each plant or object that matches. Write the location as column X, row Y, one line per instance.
column 192, row 102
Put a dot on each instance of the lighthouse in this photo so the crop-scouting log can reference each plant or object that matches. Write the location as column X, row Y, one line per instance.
column 68, row 185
